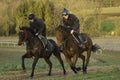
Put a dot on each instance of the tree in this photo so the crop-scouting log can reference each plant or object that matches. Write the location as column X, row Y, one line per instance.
column 48, row 16
column 24, row 9
column 90, row 27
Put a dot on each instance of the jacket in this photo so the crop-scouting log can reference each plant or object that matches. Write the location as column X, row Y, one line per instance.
column 38, row 26
column 72, row 22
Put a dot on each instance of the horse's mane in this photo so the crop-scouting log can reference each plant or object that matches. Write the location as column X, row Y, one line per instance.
column 62, row 28
column 27, row 28
column 24, row 28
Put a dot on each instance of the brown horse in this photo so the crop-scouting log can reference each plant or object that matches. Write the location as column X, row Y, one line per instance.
column 34, row 47
column 71, row 49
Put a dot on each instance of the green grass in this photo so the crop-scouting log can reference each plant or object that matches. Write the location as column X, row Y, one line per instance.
column 10, row 60
column 109, row 75
column 107, row 58
column 108, row 65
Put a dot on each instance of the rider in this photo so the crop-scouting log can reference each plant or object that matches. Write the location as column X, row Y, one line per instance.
column 72, row 22
column 38, row 28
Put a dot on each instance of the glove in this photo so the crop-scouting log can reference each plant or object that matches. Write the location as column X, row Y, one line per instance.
column 72, row 31
column 36, row 34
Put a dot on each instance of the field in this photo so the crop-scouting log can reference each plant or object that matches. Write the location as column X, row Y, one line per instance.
column 104, row 66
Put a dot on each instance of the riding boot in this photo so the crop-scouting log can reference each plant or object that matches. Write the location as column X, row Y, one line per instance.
column 49, row 46
column 44, row 41
column 82, row 42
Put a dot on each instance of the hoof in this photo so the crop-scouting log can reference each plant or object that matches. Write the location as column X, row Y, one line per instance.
column 78, row 69
column 64, row 72
column 75, row 72
column 31, row 77
column 84, row 72
column 49, row 74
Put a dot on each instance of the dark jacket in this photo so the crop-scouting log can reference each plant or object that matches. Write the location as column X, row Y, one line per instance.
column 38, row 26
column 72, row 22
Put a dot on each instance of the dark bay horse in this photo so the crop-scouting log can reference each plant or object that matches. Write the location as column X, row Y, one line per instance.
column 71, row 49
column 34, row 47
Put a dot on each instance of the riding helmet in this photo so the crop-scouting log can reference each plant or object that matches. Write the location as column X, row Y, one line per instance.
column 65, row 12
column 31, row 16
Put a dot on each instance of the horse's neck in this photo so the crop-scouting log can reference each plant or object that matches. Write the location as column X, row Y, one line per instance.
column 33, row 41
column 70, row 41
column 31, row 38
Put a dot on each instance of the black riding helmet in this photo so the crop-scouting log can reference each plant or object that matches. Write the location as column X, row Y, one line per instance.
column 31, row 16
column 65, row 12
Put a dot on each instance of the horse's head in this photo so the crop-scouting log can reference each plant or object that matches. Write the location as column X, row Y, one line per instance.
column 61, row 33
column 23, row 35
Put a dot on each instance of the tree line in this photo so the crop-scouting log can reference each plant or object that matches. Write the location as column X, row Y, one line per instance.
column 14, row 14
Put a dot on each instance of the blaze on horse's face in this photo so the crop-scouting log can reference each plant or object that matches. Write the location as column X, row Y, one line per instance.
column 22, row 36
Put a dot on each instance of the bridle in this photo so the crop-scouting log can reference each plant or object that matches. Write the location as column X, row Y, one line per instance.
column 25, row 35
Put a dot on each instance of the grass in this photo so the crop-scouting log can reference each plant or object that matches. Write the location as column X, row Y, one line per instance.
column 105, row 66
column 10, row 60
column 109, row 75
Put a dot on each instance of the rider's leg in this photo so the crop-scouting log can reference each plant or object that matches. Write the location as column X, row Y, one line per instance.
column 80, row 40
column 44, row 41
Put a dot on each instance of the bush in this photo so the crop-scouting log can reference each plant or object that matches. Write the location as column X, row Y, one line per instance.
column 107, row 26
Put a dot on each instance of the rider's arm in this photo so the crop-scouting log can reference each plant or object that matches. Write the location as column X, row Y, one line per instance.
column 40, row 27
column 76, row 24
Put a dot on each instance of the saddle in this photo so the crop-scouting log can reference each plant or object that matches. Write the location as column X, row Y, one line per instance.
column 47, row 44
column 80, row 39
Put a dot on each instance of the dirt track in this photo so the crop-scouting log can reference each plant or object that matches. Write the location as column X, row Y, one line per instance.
column 110, row 43
column 18, row 75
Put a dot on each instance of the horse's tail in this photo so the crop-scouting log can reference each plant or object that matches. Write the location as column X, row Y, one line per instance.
column 95, row 47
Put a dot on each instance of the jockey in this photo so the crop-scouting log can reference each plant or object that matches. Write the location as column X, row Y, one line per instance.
column 72, row 22
column 38, row 28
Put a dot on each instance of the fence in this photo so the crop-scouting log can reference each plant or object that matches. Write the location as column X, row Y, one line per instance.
column 8, row 44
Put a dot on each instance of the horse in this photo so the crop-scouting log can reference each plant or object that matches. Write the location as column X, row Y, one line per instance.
column 71, row 49
column 35, row 48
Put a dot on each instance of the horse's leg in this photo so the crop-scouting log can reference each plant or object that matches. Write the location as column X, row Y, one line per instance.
column 58, row 55
column 83, row 59
column 87, row 60
column 61, row 61
column 75, row 58
column 69, row 61
column 33, row 66
column 23, row 58
column 50, row 65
